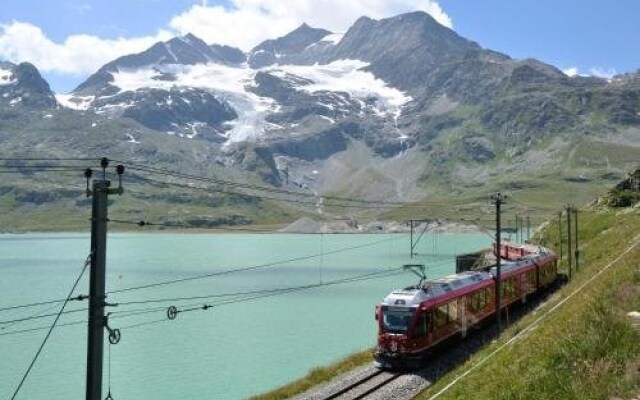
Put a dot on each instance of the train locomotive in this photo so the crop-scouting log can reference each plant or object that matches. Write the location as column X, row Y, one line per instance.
column 414, row 320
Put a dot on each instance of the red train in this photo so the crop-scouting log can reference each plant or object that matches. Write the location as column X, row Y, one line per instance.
column 415, row 319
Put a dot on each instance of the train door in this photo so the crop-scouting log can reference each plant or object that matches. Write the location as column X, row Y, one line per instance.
column 462, row 308
column 524, row 287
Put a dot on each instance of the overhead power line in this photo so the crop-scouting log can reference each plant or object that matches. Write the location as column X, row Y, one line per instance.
column 53, row 325
column 165, row 172
column 38, row 316
column 40, row 328
column 203, row 276
column 232, row 298
column 43, row 303
column 250, row 268
column 48, row 159
column 267, row 293
column 258, row 292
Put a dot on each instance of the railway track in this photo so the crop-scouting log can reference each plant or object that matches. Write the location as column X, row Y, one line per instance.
column 371, row 384
column 365, row 386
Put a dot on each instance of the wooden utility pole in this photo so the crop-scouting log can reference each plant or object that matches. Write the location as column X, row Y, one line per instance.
column 528, row 228
column 560, row 233
column 569, row 239
column 97, row 298
column 498, row 199
column 576, row 250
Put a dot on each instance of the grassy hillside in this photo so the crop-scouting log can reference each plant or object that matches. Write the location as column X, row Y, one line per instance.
column 585, row 348
column 580, row 344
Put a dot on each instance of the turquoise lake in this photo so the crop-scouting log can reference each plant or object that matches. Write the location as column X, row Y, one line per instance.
column 231, row 351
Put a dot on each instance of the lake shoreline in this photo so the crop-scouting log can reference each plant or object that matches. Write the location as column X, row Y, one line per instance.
column 301, row 226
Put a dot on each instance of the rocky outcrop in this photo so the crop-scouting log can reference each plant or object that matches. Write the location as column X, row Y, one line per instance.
column 173, row 110
column 287, row 49
column 313, row 147
column 23, row 85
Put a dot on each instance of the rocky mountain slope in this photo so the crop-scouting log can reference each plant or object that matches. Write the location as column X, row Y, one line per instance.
column 22, row 85
column 399, row 109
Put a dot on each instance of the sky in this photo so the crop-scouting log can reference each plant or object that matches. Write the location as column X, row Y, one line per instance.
column 70, row 39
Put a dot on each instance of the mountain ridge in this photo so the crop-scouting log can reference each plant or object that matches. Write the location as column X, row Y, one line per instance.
column 351, row 113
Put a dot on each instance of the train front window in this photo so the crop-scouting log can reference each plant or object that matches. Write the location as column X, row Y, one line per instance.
column 396, row 319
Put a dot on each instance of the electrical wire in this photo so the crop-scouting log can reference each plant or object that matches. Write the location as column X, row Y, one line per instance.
column 23, row 170
column 40, row 328
column 250, row 295
column 250, row 268
column 143, row 223
column 77, row 167
column 270, row 293
column 159, row 171
column 39, row 316
column 53, row 325
column 47, row 159
column 197, row 277
column 308, row 202
column 43, row 303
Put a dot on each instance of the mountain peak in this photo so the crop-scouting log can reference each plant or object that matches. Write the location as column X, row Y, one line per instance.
column 190, row 37
column 271, row 51
column 23, row 84
column 186, row 50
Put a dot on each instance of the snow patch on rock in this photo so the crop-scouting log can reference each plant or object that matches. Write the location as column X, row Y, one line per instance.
column 74, row 102
column 6, row 77
column 346, row 76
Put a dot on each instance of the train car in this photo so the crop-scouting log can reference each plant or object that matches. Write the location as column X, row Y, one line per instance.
column 516, row 251
column 415, row 319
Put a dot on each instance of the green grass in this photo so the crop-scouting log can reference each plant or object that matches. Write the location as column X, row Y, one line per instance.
column 138, row 203
column 317, row 376
column 585, row 349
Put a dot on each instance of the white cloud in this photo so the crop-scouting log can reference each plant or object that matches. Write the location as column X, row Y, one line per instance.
column 599, row 72
column 606, row 73
column 77, row 55
column 248, row 22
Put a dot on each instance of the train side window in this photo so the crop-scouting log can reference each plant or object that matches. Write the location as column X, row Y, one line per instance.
column 482, row 296
column 504, row 288
column 508, row 288
column 488, row 296
column 476, row 301
column 453, row 311
column 441, row 315
column 423, row 325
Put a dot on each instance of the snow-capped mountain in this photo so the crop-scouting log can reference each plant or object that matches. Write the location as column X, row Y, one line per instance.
column 22, row 85
column 305, row 44
column 391, row 109
column 292, row 86
column 377, row 83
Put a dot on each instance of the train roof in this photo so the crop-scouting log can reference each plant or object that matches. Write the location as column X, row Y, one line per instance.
column 527, row 261
column 412, row 296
